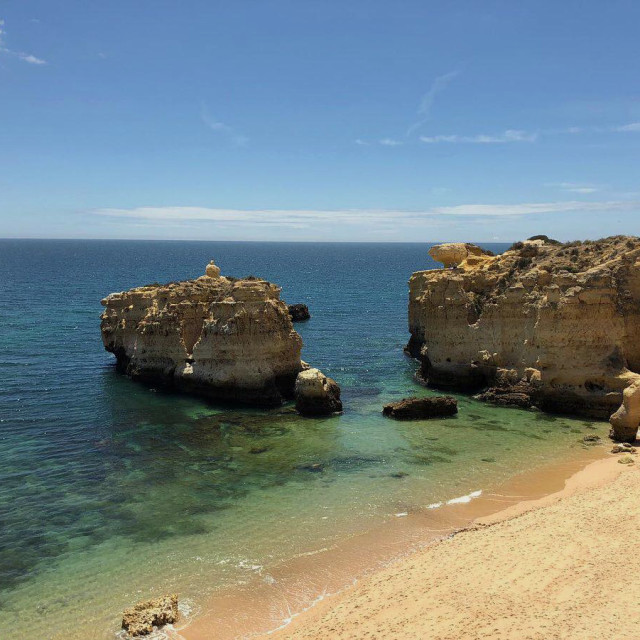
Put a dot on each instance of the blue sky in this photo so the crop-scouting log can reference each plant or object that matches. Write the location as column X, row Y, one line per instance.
column 319, row 120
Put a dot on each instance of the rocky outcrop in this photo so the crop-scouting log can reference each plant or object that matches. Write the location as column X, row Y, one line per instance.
column 551, row 325
column 452, row 254
column 421, row 408
column 299, row 312
column 140, row 619
column 223, row 338
column 316, row 394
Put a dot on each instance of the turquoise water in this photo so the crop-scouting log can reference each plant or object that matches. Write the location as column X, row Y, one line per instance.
column 111, row 491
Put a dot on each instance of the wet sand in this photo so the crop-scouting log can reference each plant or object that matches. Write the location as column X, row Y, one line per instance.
column 412, row 578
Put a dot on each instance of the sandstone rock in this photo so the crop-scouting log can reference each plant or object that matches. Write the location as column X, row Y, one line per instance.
column 140, row 619
column 316, row 394
column 623, row 447
column 222, row 338
column 212, row 271
column 625, row 421
column 421, row 408
column 299, row 312
column 555, row 324
column 453, row 254
column 626, row 460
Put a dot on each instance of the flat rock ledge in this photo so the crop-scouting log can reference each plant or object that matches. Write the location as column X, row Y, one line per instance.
column 140, row 619
column 299, row 312
column 316, row 394
column 421, row 408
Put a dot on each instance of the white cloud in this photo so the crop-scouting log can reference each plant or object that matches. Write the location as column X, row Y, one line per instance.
column 389, row 142
column 307, row 217
column 31, row 59
column 575, row 187
column 510, row 135
column 25, row 57
column 632, row 126
column 424, row 110
column 220, row 127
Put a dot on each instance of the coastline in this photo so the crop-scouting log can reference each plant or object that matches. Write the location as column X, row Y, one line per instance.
column 560, row 566
column 312, row 591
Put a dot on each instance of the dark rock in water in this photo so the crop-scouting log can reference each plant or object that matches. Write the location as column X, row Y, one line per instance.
column 591, row 438
column 516, row 396
column 399, row 474
column 421, row 408
column 316, row 394
column 313, row 467
column 299, row 312
column 256, row 450
column 140, row 619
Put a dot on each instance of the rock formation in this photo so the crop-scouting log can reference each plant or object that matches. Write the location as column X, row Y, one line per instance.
column 299, row 312
column 316, row 394
column 421, row 408
column 545, row 324
column 451, row 254
column 222, row 338
column 140, row 619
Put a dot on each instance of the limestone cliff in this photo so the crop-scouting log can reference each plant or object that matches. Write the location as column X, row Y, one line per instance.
column 220, row 337
column 546, row 324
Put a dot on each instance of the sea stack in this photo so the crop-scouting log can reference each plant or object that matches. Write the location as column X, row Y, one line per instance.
column 222, row 338
column 545, row 324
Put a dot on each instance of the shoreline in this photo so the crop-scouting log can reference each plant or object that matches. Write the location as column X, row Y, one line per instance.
column 560, row 566
column 304, row 589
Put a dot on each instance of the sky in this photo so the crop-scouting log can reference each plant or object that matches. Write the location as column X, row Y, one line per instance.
column 319, row 120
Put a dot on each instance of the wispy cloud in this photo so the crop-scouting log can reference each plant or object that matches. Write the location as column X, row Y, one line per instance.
column 25, row 57
column 510, row 135
column 575, row 187
column 632, row 126
column 220, row 127
column 306, row 217
column 390, row 142
column 424, row 110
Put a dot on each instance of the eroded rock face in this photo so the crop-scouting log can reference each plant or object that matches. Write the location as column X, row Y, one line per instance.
column 219, row 337
column 625, row 421
column 544, row 324
column 421, row 408
column 316, row 394
column 140, row 619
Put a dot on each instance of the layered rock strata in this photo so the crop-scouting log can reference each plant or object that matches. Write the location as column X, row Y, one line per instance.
column 544, row 324
column 223, row 338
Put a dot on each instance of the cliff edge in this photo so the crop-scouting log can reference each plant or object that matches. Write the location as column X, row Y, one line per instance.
column 545, row 324
column 223, row 338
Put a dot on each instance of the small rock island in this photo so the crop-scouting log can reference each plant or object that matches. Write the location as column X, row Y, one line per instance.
column 223, row 338
column 545, row 324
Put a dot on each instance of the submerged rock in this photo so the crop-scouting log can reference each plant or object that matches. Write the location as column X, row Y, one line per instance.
column 140, row 619
column 421, row 408
column 219, row 337
column 299, row 312
column 316, row 394
column 549, row 325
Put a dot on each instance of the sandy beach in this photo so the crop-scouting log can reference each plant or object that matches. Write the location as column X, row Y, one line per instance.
column 562, row 566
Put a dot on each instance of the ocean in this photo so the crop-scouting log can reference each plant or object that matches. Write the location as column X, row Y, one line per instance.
column 112, row 491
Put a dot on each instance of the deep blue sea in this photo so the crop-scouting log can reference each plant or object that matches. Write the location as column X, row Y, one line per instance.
column 111, row 490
